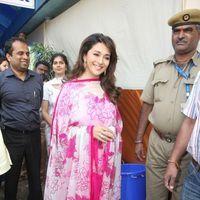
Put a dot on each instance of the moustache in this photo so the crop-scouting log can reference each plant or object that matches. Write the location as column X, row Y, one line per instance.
column 181, row 42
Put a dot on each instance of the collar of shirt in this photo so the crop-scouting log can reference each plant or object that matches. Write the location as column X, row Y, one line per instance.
column 9, row 73
column 195, row 59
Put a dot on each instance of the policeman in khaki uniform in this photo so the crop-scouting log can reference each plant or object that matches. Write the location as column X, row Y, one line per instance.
column 164, row 97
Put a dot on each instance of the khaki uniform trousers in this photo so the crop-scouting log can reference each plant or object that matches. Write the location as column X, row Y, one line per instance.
column 157, row 156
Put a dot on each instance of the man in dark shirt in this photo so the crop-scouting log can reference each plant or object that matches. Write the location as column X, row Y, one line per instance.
column 43, row 69
column 20, row 97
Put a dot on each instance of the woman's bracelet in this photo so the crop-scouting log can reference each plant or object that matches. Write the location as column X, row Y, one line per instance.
column 174, row 162
column 138, row 141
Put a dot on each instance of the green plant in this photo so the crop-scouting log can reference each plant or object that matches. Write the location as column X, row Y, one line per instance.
column 41, row 52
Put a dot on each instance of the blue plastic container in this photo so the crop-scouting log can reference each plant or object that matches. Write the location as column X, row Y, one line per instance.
column 133, row 182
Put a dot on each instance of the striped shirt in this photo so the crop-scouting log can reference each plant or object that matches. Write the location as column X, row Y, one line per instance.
column 192, row 110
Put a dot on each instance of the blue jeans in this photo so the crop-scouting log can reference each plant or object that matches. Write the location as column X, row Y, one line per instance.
column 191, row 185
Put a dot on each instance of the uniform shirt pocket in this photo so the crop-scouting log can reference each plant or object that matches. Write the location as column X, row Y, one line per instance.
column 160, row 86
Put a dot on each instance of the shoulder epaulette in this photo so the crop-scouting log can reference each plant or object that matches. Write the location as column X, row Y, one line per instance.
column 157, row 62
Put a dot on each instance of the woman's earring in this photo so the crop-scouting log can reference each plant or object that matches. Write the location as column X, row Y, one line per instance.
column 104, row 73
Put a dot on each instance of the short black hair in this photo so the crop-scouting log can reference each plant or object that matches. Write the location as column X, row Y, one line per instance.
column 8, row 45
column 42, row 62
column 22, row 35
column 3, row 59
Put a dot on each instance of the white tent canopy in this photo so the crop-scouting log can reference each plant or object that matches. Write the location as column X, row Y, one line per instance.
column 139, row 29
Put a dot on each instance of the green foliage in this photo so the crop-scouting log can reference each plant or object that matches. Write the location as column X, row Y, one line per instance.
column 41, row 52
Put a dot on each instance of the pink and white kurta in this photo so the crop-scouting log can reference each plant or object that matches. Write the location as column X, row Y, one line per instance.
column 81, row 167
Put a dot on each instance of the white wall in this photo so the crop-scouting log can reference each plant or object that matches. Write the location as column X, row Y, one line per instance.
column 191, row 4
column 139, row 29
column 37, row 35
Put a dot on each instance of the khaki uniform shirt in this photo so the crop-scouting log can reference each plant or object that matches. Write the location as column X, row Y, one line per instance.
column 166, row 90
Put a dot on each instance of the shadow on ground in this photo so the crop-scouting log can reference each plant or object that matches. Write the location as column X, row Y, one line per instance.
column 22, row 193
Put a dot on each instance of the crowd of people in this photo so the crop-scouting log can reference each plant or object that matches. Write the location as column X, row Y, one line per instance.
column 83, row 138
column 83, row 125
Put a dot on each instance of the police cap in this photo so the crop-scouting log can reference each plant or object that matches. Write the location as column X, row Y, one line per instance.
column 188, row 16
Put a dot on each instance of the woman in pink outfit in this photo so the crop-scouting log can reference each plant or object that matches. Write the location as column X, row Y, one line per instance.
column 85, row 156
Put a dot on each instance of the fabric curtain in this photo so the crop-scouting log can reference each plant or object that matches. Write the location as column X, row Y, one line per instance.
column 139, row 29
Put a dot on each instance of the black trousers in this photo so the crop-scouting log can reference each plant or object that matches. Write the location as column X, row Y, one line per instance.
column 22, row 144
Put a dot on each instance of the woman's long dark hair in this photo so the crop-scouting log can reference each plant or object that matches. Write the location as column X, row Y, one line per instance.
column 107, row 80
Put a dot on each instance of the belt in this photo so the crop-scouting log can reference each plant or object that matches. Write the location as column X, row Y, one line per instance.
column 196, row 164
column 17, row 130
column 162, row 136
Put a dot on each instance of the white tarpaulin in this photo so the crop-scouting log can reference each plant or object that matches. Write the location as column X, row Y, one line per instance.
column 20, row 3
column 139, row 29
column 191, row 4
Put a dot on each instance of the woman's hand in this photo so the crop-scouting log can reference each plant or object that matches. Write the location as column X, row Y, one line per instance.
column 103, row 134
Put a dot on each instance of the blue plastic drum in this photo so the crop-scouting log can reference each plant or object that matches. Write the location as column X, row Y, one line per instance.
column 133, row 182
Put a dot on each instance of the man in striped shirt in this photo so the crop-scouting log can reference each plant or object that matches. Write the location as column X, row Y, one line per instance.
column 188, row 139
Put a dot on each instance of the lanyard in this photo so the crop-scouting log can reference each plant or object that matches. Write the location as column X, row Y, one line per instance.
column 182, row 73
column 185, row 75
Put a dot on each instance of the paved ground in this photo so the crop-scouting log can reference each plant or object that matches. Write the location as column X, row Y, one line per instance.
column 22, row 189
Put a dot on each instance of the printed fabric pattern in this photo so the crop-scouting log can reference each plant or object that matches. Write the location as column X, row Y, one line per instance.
column 81, row 167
